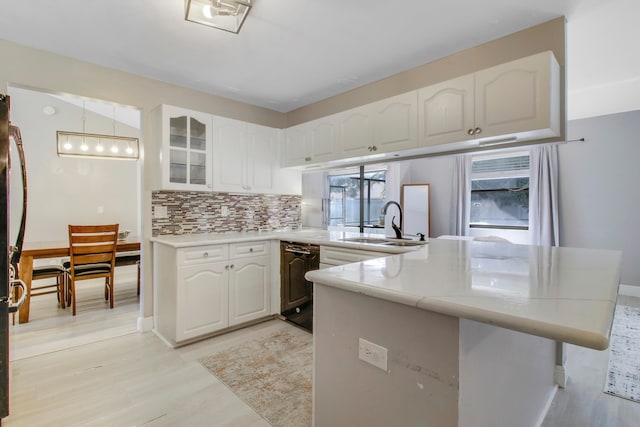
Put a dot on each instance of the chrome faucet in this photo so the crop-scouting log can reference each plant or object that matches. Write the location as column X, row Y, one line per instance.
column 397, row 229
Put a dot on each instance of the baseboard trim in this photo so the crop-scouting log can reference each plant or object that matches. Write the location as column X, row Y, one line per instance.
column 544, row 412
column 560, row 376
column 145, row 324
column 629, row 290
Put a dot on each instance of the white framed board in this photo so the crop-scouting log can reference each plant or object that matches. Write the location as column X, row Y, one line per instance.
column 415, row 209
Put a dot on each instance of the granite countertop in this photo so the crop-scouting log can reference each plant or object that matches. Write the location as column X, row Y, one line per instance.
column 311, row 236
column 565, row 294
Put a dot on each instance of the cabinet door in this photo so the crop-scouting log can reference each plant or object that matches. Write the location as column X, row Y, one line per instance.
column 202, row 300
column 229, row 155
column 186, row 163
column 395, row 122
column 446, row 111
column 517, row 96
column 294, row 146
column 262, row 152
column 248, row 289
column 286, row 180
column 322, row 140
column 355, row 133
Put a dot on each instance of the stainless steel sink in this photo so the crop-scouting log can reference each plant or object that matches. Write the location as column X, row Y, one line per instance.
column 384, row 241
column 405, row 243
column 372, row 240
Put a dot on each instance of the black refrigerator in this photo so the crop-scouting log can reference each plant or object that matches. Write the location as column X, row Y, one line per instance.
column 9, row 254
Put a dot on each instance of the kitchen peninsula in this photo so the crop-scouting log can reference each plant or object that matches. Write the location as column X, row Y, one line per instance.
column 457, row 333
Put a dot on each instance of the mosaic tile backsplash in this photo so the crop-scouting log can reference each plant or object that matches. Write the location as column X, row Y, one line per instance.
column 201, row 212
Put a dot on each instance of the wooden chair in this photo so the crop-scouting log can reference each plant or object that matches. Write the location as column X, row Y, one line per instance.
column 129, row 258
column 92, row 250
column 48, row 272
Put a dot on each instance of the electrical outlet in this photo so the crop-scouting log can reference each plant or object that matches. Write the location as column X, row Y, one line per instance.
column 373, row 354
column 160, row 212
column 224, row 210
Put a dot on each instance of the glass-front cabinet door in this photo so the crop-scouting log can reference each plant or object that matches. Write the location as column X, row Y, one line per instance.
column 187, row 149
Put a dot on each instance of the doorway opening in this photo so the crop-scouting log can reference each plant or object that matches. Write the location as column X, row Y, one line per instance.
column 74, row 190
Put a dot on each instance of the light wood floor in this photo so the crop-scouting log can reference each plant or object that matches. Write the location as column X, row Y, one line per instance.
column 51, row 328
column 583, row 403
column 135, row 379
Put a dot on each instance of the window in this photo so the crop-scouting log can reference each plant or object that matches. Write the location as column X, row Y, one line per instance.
column 500, row 191
column 344, row 198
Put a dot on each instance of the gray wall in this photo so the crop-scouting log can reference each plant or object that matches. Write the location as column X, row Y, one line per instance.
column 599, row 195
column 598, row 188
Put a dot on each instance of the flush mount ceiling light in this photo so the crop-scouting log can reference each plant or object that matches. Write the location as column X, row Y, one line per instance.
column 227, row 15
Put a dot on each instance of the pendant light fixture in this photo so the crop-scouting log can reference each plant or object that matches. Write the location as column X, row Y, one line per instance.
column 92, row 145
column 227, row 15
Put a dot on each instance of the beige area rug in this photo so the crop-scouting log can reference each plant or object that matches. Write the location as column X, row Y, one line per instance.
column 271, row 374
column 623, row 376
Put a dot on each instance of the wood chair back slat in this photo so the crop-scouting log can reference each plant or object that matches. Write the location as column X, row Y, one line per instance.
column 92, row 244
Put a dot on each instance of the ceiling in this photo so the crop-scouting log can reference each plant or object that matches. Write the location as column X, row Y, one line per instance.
column 291, row 53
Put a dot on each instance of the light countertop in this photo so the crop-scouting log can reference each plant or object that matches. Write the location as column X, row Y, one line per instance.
column 565, row 294
column 312, row 236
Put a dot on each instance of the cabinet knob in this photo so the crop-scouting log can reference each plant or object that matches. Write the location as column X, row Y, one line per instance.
column 470, row 131
column 369, row 148
column 232, row 265
column 375, row 148
column 206, row 254
column 307, row 159
column 477, row 131
column 226, row 267
column 250, row 249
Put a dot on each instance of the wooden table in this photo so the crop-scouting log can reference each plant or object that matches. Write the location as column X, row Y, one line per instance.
column 55, row 249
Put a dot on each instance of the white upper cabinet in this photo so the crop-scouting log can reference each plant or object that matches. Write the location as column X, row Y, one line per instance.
column 519, row 96
column 262, row 156
column 203, row 152
column 518, row 100
column 355, row 133
column 229, row 155
column 395, row 123
column 322, row 140
column 446, row 111
column 294, row 145
column 245, row 157
column 185, row 157
column 309, row 143
column 379, row 127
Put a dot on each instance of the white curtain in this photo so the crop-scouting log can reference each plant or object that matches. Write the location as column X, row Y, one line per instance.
column 461, row 198
column 543, row 196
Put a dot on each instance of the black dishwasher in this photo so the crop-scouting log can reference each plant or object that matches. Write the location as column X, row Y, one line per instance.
column 296, row 293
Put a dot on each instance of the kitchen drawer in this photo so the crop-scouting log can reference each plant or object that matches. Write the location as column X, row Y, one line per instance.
column 202, row 254
column 338, row 256
column 248, row 249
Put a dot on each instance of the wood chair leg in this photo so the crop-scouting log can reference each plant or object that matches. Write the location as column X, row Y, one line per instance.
column 73, row 295
column 61, row 296
column 111, row 280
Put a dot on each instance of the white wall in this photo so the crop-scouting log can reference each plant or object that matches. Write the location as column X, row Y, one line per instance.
column 70, row 190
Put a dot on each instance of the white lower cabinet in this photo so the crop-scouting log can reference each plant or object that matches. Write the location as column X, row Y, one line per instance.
column 202, row 290
column 248, row 289
column 202, row 300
